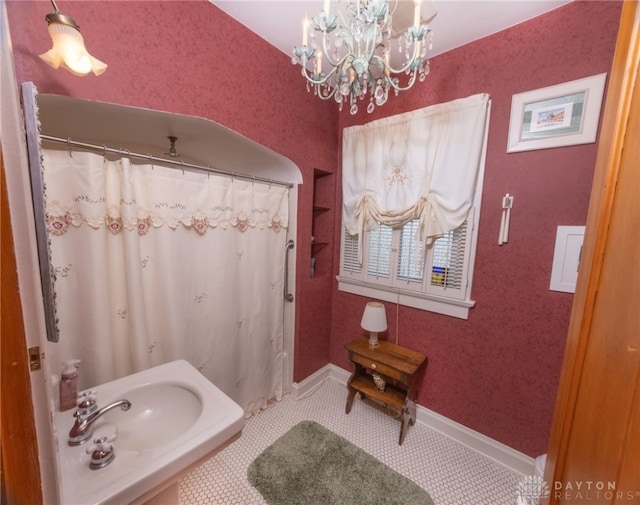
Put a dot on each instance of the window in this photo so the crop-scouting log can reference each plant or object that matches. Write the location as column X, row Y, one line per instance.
column 419, row 171
column 398, row 267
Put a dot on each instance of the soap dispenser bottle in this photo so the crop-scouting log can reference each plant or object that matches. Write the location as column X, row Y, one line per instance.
column 69, row 384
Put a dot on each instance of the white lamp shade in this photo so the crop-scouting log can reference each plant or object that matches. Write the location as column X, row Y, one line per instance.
column 374, row 317
column 68, row 51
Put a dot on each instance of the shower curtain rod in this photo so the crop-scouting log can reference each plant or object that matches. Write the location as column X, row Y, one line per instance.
column 179, row 164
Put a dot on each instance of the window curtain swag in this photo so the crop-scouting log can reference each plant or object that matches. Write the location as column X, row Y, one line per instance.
column 421, row 165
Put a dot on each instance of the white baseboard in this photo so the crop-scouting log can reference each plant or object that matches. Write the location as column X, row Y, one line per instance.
column 488, row 447
column 310, row 384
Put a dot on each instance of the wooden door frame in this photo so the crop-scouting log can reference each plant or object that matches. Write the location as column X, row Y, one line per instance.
column 622, row 83
column 20, row 464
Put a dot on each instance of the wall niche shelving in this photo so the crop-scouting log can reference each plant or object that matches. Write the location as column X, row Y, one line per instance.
column 322, row 223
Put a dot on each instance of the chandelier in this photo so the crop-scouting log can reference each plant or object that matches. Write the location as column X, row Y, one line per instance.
column 348, row 53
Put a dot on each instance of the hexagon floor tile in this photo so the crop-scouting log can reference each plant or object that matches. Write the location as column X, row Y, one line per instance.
column 450, row 472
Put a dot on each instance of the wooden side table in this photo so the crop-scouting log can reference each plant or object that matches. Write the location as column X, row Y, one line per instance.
column 398, row 365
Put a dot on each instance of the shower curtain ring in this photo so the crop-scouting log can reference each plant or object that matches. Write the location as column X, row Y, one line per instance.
column 69, row 147
column 182, row 163
column 104, row 151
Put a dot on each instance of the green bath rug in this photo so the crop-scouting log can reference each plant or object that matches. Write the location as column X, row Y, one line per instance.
column 310, row 465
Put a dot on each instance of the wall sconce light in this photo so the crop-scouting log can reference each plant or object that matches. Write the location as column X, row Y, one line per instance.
column 374, row 320
column 68, row 49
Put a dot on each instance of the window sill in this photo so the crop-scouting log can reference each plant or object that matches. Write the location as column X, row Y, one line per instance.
column 432, row 303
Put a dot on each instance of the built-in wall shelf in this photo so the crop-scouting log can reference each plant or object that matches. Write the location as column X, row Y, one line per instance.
column 322, row 223
column 316, row 246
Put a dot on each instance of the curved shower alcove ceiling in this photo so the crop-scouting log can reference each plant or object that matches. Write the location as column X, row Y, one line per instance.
column 199, row 140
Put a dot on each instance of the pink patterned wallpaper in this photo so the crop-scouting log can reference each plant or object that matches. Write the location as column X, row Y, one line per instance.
column 497, row 372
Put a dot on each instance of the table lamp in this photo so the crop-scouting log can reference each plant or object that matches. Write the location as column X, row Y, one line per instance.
column 374, row 320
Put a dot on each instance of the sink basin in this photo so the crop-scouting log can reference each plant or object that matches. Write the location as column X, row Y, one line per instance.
column 177, row 419
column 159, row 414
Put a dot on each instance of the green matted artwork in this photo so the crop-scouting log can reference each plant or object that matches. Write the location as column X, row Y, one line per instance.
column 562, row 115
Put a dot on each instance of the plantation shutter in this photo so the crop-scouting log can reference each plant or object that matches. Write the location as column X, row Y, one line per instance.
column 350, row 262
column 379, row 252
column 411, row 254
column 448, row 258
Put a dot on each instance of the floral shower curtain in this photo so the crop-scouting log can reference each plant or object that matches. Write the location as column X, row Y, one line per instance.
column 153, row 264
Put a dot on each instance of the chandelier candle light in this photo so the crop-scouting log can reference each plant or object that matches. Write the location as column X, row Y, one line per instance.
column 355, row 45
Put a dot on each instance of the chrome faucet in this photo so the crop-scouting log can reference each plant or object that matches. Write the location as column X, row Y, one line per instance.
column 82, row 429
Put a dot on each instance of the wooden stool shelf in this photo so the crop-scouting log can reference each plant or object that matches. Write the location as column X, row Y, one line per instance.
column 401, row 369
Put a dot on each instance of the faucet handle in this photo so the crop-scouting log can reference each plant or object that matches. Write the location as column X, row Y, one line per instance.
column 86, row 402
column 101, row 452
column 89, row 393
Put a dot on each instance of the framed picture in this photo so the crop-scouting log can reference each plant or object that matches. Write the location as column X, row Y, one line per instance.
column 562, row 115
column 566, row 258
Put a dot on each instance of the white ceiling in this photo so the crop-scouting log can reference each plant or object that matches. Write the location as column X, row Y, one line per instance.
column 457, row 22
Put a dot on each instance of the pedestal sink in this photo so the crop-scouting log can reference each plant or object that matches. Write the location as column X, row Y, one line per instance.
column 159, row 414
column 177, row 418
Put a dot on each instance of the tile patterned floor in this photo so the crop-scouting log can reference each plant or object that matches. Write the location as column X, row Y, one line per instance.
column 452, row 473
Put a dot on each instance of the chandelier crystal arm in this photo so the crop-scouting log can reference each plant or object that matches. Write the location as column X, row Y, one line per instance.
column 326, row 44
column 394, row 83
column 318, row 78
column 308, row 54
column 413, row 62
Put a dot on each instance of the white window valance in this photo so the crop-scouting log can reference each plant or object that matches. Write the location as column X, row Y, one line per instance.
column 420, row 165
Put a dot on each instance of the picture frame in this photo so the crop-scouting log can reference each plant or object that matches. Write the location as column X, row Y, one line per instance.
column 566, row 258
column 562, row 115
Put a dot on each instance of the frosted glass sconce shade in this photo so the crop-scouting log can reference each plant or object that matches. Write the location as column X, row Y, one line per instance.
column 68, row 49
column 374, row 320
